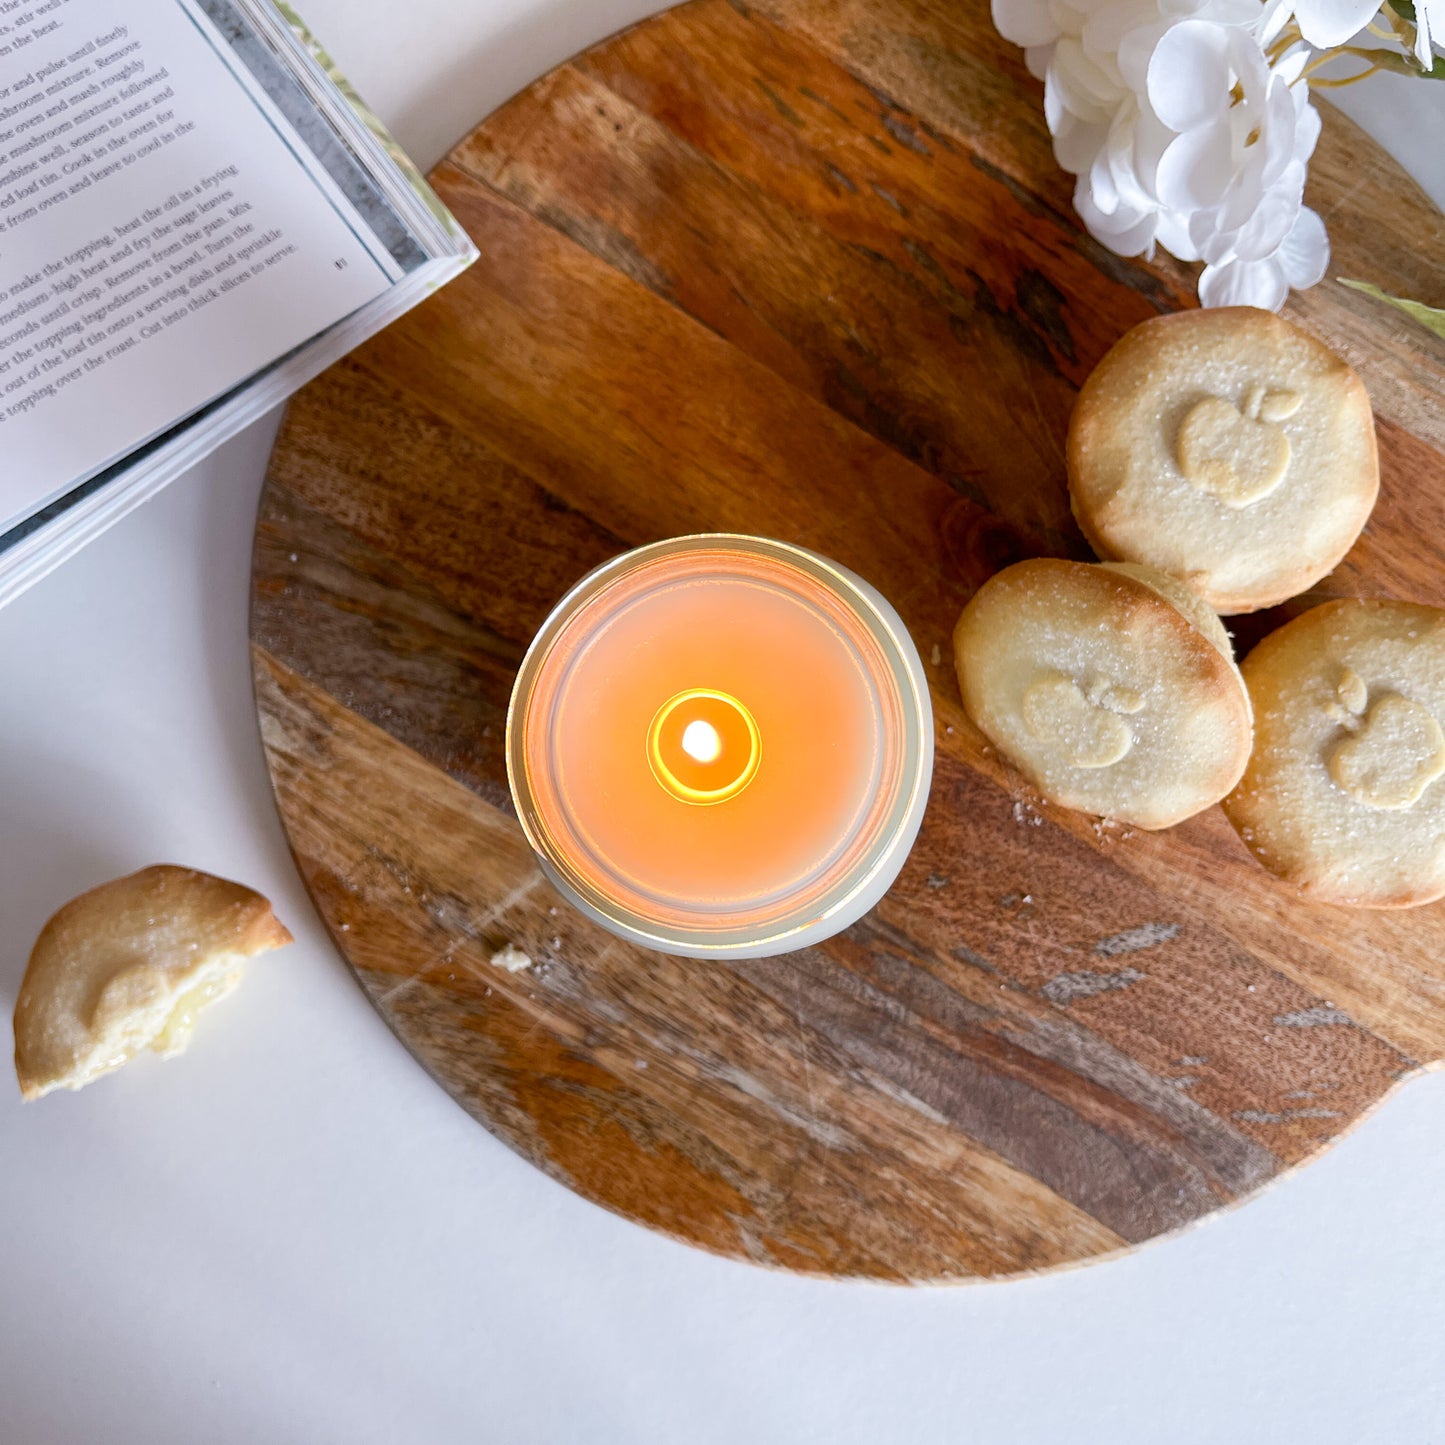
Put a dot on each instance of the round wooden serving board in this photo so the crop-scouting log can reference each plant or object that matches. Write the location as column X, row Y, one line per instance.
column 807, row 268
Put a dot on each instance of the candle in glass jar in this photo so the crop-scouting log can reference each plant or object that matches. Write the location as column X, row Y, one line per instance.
column 721, row 746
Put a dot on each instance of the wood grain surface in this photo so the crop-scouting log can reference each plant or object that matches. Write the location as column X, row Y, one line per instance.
column 807, row 268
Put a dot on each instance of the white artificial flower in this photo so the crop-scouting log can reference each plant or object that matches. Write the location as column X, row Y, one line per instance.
column 1182, row 133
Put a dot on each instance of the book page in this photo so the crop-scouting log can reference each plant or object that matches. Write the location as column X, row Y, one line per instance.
column 160, row 240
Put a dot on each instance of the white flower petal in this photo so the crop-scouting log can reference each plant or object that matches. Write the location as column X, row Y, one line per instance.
column 1276, row 142
column 1264, row 233
column 1077, row 142
column 1134, row 51
column 1304, row 256
column 1245, row 13
column 1056, row 109
column 1291, row 65
column 1126, row 232
column 1172, row 232
column 1247, row 191
column 1025, row 22
column 1189, row 74
column 1038, row 58
column 1151, row 140
column 1101, row 183
column 1120, row 149
column 1106, row 28
column 1327, row 23
column 1196, row 168
column 1250, row 66
column 1218, row 245
column 1107, row 64
column 1424, row 23
column 1244, row 283
column 1213, row 244
column 1215, row 247
column 1217, row 12
column 1306, row 132
column 1275, row 17
column 1082, row 87
column 1076, row 14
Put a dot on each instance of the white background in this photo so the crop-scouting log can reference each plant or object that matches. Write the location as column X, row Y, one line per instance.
column 291, row 1234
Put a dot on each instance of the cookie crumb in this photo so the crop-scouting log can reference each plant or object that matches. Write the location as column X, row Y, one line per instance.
column 511, row 958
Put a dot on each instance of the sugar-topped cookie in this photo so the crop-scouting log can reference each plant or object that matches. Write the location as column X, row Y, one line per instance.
column 1110, row 687
column 1227, row 448
column 1345, row 793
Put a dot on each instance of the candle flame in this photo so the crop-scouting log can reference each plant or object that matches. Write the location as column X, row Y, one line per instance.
column 700, row 741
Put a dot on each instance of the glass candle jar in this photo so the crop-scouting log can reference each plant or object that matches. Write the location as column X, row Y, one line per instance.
column 721, row 746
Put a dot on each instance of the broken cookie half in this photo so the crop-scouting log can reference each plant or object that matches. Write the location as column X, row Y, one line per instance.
column 127, row 967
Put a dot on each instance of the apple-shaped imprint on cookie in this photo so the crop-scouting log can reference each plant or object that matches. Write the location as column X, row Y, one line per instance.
column 1237, row 455
column 1087, row 724
column 1391, row 753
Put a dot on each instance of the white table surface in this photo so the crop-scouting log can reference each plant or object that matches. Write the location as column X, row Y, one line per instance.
column 292, row 1234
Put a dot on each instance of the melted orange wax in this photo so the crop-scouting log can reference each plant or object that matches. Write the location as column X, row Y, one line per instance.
column 759, row 639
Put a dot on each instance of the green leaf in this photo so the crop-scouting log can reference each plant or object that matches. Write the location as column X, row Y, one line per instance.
column 1404, row 9
column 1431, row 318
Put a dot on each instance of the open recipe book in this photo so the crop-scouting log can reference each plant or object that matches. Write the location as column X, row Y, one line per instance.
column 196, row 216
